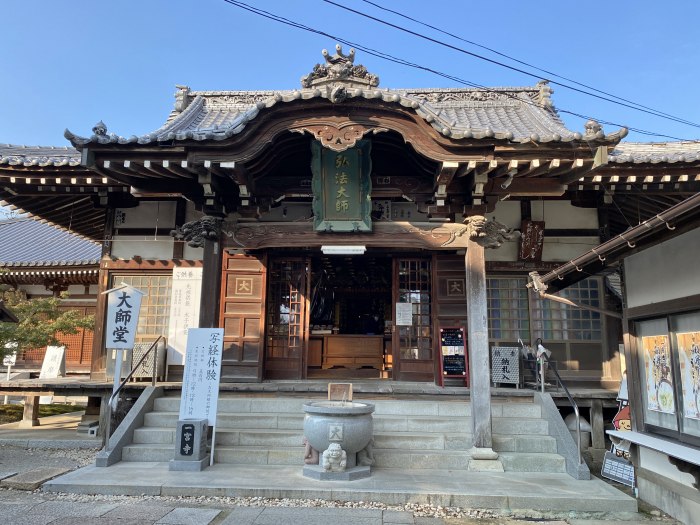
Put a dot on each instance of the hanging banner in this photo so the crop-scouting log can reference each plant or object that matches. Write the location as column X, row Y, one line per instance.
column 184, row 310
column 689, row 354
column 659, row 384
column 123, row 305
column 200, row 383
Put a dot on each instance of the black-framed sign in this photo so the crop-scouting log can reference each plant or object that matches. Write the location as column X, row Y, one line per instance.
column 453, row 359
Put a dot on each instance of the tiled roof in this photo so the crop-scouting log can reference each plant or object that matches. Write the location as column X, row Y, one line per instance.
column 40, row 156
column 655, row 152
column 28, row 242
column 516, row 114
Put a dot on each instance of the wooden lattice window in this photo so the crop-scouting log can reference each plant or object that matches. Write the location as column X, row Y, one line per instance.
column 414, row 279
column 285, row 312
column 154, row 315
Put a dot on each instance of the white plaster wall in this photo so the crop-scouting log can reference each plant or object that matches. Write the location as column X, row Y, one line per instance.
column 35, row 289
column 562, row 214
column 192, row 254
column 147, row 214
column 664, row 272
column 508, row 251
column 126, row 247
column 658, row 463
column 507, row 213
column 563, row 249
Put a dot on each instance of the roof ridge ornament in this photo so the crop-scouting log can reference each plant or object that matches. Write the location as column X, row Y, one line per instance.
column 593, row 129
column 544, row 97
column 183, row 98
column 339, row 68
column 99, row 129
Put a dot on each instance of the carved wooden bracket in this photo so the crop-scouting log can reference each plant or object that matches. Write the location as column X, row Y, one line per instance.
column 488, row 233
column 338, row 138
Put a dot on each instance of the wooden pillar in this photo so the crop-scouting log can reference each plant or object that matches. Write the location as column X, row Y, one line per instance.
column 597, row 424
column 30, row 416
column 211, row 284
column 477, row 330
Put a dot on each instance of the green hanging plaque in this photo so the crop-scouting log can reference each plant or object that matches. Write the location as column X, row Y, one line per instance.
column 342, row 186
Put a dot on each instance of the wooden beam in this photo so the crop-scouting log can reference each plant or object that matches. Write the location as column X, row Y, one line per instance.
column 444, row 177
column 466, row 169
column 547, row 167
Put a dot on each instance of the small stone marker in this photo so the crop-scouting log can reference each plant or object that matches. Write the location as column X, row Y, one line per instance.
column 32, row 479
column 190, row 445
column 339, row 391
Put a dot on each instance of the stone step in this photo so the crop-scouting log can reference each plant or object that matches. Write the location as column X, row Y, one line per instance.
column 532, row 462
column 384, row 458
column 388, row 440
column 452, row 408
column 524, row 443
column 512, row 425
column 384, row 440
column 382, row 423
column 148, row 452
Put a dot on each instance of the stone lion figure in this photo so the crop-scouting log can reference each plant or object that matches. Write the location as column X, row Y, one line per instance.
column 335, row 458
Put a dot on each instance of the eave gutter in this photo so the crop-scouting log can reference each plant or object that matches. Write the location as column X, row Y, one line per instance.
column 629, row 238
column 600, row 252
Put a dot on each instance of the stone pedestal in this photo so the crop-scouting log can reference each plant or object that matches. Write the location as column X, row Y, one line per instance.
column 30, row 416
column 190, row 445
column 349, row 474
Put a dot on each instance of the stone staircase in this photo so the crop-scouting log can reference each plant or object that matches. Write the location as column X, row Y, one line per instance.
column 415, row 434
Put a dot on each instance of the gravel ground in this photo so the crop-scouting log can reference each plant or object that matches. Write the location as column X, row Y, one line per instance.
column 18, row 459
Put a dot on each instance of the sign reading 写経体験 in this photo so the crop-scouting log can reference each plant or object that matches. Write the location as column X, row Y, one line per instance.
column 200, row 383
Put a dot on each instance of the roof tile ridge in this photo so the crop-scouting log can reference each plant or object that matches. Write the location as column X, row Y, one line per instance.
column 183, row 119
column 500, row 89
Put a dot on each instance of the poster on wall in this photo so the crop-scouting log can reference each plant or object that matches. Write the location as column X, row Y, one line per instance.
column 689, row 353
column 659, row 381
column 184, row 310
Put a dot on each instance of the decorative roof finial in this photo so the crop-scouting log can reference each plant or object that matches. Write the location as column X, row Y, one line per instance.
column 339, row 57
column 339, row 68
column 99, row 129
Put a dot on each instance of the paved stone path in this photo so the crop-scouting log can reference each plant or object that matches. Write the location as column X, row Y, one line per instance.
column 19, row 507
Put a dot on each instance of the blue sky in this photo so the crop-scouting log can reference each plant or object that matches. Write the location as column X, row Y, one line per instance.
column 69, row 64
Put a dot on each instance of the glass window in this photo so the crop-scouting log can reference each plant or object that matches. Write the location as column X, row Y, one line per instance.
column 508, row 312
column 554, row 321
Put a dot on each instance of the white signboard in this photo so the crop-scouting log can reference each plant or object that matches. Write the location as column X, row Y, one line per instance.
column 404, row 314
column 200, row 384
column 123, row 305
column 11, row 358
column 54, row 365
column 184, row 310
